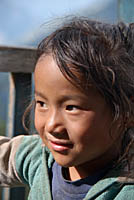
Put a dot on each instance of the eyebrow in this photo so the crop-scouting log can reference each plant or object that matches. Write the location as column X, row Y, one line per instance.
column 63, row 97
column 39, row 94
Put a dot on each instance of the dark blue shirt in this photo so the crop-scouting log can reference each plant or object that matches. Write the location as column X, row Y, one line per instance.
column 72, row 190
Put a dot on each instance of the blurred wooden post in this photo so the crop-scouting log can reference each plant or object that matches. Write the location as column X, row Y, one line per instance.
column 20, row 62
column 126, row 10
column 21, row 84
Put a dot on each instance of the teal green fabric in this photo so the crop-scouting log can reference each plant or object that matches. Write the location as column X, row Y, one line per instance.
column 33, row 162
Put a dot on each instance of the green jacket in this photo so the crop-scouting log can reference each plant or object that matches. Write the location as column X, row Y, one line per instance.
column 24, row 160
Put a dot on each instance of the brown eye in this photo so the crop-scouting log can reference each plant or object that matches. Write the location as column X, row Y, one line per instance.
column 72, row 107
column 41, row 104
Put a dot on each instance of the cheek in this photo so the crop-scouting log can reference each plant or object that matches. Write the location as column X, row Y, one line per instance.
column 39, row 124
column 81, row 129
column 90, row 128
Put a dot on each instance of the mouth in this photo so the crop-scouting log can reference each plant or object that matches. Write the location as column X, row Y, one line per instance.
column 60, row 145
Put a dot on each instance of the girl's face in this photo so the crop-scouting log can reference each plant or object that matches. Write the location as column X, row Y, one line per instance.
column 74, row 126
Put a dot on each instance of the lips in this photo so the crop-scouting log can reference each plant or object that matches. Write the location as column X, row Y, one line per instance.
column 60, row 145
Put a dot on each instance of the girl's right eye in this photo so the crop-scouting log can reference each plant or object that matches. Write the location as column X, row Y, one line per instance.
column 41, row 104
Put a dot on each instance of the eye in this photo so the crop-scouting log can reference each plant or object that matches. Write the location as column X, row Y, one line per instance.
column 72, row 108
column 41, row 104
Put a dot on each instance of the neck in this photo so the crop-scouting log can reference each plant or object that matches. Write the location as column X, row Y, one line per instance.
column 93, row 166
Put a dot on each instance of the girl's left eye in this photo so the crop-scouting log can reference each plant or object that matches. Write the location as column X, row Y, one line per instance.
column 41, row 104
column 72, row 108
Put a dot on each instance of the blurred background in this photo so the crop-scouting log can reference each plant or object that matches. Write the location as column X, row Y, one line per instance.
column 24, row 23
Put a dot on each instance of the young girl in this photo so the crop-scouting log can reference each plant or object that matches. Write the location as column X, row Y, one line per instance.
column 84, row 115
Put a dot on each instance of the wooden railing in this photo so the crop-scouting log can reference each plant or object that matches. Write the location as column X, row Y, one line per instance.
column 20, row 62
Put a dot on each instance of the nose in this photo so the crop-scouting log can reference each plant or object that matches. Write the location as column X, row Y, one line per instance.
column 54, row 122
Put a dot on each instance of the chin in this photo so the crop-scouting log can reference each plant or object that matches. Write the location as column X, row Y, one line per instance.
column 64, row 162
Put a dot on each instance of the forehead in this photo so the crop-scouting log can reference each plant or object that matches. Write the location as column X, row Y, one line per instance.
column 47, row 66
column 47, row 71
column 50, row 81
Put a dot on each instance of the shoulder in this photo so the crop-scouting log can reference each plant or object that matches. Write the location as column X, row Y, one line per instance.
column 29, row 142
column 29, row 158
column 126, row 192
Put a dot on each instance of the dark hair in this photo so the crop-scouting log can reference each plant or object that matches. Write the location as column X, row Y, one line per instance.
column 102, row 55
column 91, row 52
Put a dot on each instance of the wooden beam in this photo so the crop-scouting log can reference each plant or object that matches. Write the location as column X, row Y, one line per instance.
column 126, row 10
column 15, row 59
column 19, row 99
